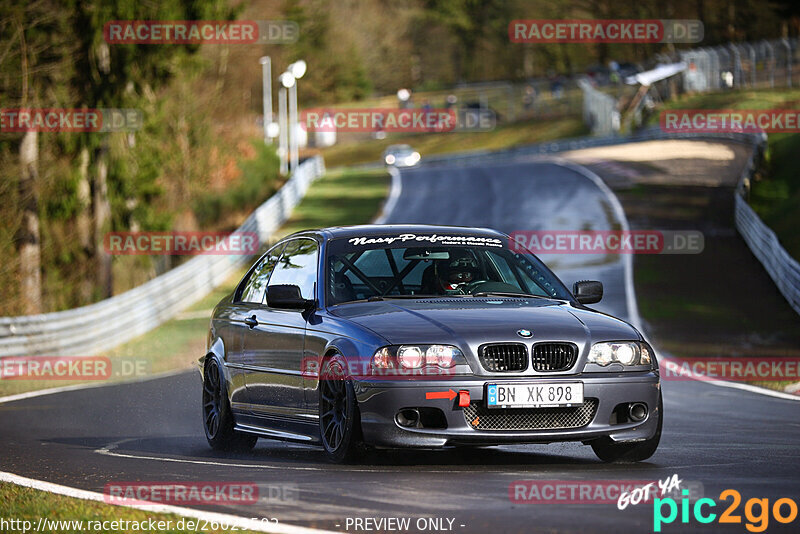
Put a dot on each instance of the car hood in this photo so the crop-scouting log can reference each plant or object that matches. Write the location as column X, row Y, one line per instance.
column 471, row 321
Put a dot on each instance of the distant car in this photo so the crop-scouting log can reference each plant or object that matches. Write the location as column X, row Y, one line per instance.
column 401, row 156
column 422, row 336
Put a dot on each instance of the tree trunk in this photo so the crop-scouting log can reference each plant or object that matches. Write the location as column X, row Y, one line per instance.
column 28, row 239
column 83, row 224
column 84, row 219
column 102, row 219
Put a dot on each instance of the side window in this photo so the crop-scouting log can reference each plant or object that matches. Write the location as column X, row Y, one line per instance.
column 255, row 287
column 298, row 266
column 501, row 264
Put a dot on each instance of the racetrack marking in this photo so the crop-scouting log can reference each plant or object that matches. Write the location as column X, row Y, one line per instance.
column 394, row 194
column 76, row 387
column 737, row 385
column 108, row 450
column 627, row 260
column 225, row 519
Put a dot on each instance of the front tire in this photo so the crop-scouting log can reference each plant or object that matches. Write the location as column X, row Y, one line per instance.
column 217, row 416
column 611, row 452
column 339, row 423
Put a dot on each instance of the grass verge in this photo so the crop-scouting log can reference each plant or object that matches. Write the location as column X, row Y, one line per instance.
column 341, row 197
column 506, row 136
column 67, row 514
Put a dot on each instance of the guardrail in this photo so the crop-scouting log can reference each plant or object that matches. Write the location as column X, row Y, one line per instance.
column 781, row 267
column 91, row 329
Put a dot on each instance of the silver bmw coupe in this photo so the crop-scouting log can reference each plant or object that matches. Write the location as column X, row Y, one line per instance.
column 423, row 336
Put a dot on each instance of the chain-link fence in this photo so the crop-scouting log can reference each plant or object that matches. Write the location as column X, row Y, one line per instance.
column 756, row 65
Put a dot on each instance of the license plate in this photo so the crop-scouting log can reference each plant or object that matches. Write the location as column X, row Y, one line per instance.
column 534, row 395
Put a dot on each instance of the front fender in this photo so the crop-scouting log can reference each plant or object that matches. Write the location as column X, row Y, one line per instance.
column 216, row 349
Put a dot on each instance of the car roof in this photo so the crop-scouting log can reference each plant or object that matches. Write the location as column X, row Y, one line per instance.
column 335, row 232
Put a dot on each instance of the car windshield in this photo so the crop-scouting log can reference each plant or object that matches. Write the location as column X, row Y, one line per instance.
column 409, row 265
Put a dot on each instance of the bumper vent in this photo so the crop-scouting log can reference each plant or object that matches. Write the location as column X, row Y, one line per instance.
column 481, row 418
column 554, row 356
column 503, row 357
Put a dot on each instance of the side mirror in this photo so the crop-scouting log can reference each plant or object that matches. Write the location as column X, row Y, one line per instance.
column 287, row 296
column 588, row 291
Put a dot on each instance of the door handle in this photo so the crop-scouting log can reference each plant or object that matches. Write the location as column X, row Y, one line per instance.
column 252, row 322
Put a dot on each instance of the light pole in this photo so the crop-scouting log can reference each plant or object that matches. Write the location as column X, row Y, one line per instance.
column 266, row 71
column 288, row 82
column 296, row 70
column 293, row 156
column 282, row 148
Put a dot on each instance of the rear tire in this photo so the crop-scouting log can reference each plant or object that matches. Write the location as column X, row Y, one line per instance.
column 611, row 452
column 218, row 420
column 339, row 422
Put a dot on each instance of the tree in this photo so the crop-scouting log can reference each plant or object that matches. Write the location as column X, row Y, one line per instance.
column 34, row 53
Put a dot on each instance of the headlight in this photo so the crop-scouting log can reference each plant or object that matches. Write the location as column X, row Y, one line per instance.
column 625, row 352
column 417, row 356
column 410, row 357
column 442, row 355
column 389, row 159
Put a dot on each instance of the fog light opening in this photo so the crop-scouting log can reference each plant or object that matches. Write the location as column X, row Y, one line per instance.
column 637, row 411
column 408, row 417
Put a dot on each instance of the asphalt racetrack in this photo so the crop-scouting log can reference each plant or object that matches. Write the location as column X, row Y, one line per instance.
column 713, row 438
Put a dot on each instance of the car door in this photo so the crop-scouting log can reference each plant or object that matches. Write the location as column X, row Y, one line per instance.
column 273, row 345
column 247, row 300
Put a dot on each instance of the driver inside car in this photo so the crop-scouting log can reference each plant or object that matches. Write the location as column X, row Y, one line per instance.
column 455, row 274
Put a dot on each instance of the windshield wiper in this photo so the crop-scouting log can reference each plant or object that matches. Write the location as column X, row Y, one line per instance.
column 375, row 298
column 509, row 294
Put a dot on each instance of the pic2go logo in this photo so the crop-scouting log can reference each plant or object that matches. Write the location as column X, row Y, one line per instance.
column 757, row 521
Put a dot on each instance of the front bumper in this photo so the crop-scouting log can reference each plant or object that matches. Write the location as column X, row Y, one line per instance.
column 379, row 402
